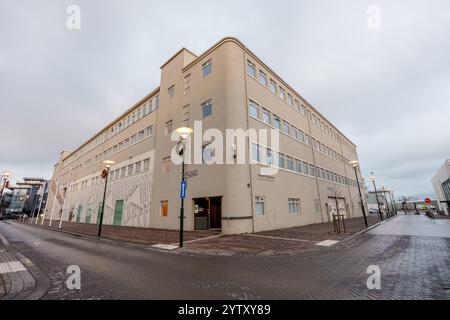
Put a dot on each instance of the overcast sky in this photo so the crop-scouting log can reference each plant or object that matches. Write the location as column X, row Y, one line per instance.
column 387, row 89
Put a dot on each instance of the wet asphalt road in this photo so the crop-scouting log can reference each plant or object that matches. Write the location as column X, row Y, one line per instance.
column 413, row 266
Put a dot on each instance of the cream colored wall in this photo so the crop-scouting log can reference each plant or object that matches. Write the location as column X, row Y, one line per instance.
column 229, row 87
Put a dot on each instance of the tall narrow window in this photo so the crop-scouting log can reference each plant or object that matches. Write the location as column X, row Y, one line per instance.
column 146, row 164
column 276, row 122
column 266, row 116
column 290, row 163
column 157, row 102
column 251, row 70
column 171, row 91
column 168, row 128
column 262, row 78
column 285, row 128
column 256, row 154
column 273, row 86
column 294, row 206
column 149, row 131
column 253, row 109
column 164, row 210
column 186, row 115
column 282, row 93
column 290, row 100
column 259, row 206
column 206, row 109
column 187, row 84
column 207, row 68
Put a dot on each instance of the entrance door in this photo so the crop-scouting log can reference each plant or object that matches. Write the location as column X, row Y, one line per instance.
column 215, row 213
column 207, row 213
column 118, row 213
column 332, row 209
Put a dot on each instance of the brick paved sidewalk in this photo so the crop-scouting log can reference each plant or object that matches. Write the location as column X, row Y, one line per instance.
column 275, row 242
column 283, row 241
column 145, row 236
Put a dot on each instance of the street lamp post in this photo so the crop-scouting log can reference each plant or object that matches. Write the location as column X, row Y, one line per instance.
column 105, row 174
column 6, row 176
column 386, row 200
column 354, row 163
column 184, row 133
column 376, row 195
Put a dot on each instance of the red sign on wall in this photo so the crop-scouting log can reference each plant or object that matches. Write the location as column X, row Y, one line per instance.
column 427, row 200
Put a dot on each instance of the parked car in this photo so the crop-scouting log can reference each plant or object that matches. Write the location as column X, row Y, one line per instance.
column 373, row 211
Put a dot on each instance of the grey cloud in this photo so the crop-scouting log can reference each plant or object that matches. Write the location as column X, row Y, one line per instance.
column 388, row 90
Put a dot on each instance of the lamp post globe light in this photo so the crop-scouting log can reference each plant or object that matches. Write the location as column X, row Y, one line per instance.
column 105, row 174
column 184, row 133
column 372, row 177
column 354, row 164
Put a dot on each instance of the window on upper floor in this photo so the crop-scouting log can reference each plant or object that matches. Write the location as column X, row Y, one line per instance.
column 273, row 86
column 290, row 163
column 207, row 109
column 187, row 84
column 207, row 68
column 276, row 122
column 251, row 69
column 171, row 91
column 266, row 116
column 186, row 115
column 285, row 128
column 282, row 93
column 262, row 78
column 168, row 128
column 290, row 100
column 253, row 109
column 157, row 102
column 149, row 131
column 146, row 164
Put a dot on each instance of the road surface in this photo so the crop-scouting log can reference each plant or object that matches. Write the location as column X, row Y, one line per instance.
column 412, row 253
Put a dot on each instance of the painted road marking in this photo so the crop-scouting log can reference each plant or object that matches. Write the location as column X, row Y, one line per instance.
column 12, row 266
column 327, row 243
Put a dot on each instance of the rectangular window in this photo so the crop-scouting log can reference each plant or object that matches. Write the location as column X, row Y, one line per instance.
column 138, row 166
column 306, row 168
column 256, row 153
column 144, row 112
column 265, row 116
column 141, row 135
column 123, row 172
column 146, row 164
column 273, row 86
column 171, row 91
column 285, row 127
column 251, row 70
column 290, row 100
column 207, row 108
column 164, row 209
column 207, row 68
column 294, row 206
column 168, row 128
column 150, row 106
column 253, row 109
column 259, row 206
column 269, row 157
column 149, row 131
column 294, row 132
column 262, row 78
column 290, row 163
column 301, row 136
column 157, row 102
column 166, row 164
column 298, row 166
column 282, row 93
column 187, row 84
column 276, row 122
column 281, row 160
column 186, row 115
column 130, row 169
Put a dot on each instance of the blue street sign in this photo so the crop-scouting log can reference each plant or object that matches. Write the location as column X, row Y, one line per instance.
column 183, row 189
